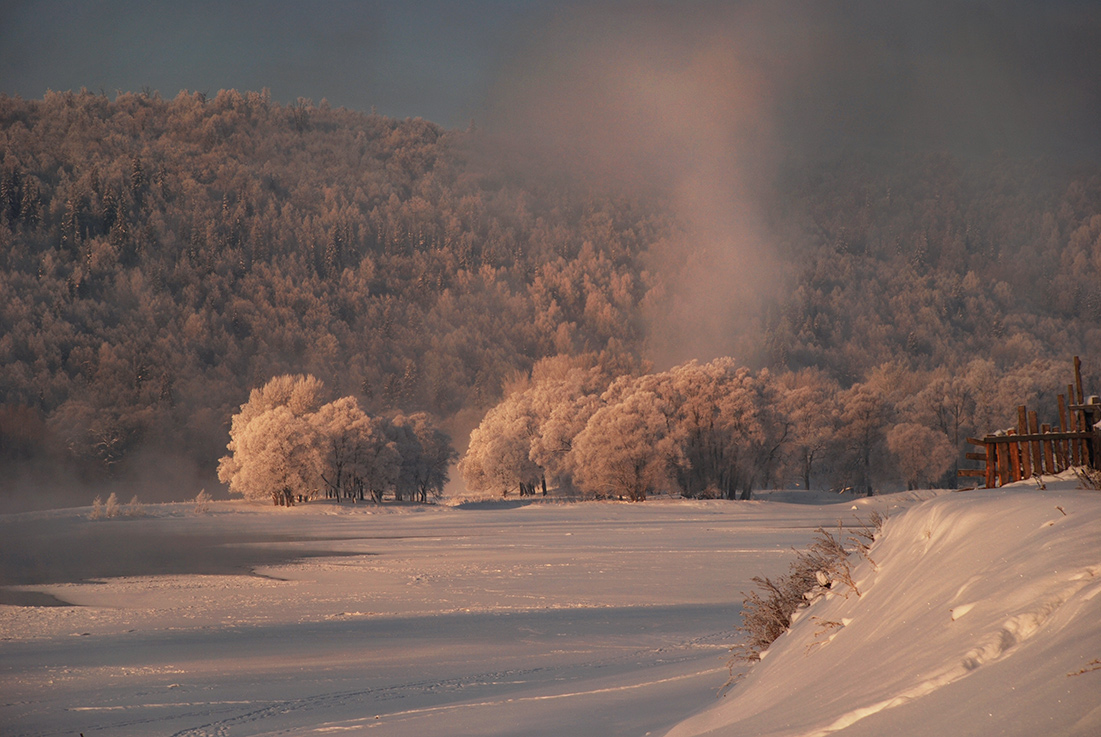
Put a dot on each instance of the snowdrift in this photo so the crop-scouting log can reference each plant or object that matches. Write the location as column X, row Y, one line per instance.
column 979, row 614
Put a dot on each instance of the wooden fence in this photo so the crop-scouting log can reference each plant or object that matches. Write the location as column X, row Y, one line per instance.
column 1032, row 449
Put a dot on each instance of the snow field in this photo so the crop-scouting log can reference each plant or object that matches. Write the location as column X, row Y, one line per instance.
column 546, row 619
column 979, row 614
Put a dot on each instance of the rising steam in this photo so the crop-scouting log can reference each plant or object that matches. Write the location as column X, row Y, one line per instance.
column 705, row 104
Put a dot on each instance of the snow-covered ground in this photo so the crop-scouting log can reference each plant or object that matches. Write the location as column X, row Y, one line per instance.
column 979, row 614
column 549, row 619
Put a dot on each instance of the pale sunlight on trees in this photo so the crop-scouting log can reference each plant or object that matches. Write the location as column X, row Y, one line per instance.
column 285, row 447
column 627, row 448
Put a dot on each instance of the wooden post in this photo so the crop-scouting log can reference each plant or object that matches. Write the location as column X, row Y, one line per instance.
column 1049, row 456
column 1083, row 424
column 1025, row 456
column 1062, row 422
column 991, row 465
column 1014, row 458
column 1078, row 381
column 1068, row 421
column 1077, row 451
column 1001, row 450
column 1096, row 442
column 1037, row 459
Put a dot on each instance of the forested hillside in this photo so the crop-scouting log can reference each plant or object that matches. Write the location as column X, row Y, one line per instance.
column 932, row 260
column 161, row 258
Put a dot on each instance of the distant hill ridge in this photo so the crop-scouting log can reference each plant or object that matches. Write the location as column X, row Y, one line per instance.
column 160, row 257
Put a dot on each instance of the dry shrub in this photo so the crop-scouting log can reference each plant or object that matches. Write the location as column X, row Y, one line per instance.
column 106, row 510
column 823, row 566
column 135, row 508
column 1090, row 478
column 202, row 502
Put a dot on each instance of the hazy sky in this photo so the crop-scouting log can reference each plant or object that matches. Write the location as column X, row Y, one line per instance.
column 979, row 68
column 429, row 59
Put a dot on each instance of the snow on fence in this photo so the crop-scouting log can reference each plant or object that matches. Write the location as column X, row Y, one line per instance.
column 1032, row 449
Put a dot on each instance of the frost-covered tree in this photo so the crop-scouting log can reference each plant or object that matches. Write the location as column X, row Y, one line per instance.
column 301, row 394
column 808, row 399
column 274, row 456
column 865, row 412
column 434, row 457
column 627, row 447
column 339, row 427
column 713, row 429
column 377, row 471
column 273, row 446
column 425, row 454
column 284, row 445
column 923, row 454
column 498, row 458
column 719, row 427
column 563, row 407
column 948, row 404
column 524, row 442
column 764, row 452
column 357, row 457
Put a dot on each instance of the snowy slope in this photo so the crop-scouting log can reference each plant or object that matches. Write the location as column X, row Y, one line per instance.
column 980, row 616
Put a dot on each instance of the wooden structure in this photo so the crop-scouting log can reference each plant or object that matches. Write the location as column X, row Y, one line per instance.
column 1032, row 449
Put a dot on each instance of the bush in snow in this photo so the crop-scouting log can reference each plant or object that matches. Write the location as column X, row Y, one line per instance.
column 105, row 510
column 1090, row 478
column 823, row 566
column 202, row 502
column 135, row 508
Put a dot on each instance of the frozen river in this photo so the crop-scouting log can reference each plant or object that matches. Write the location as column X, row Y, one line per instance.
column 495, row 619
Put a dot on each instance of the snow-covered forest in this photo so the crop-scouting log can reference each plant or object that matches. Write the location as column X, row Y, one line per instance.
column 162, row 258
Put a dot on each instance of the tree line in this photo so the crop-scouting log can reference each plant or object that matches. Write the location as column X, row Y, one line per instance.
column 720, row 430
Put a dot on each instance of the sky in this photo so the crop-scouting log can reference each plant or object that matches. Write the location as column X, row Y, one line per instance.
column 434, row 60
column 1015, row 67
